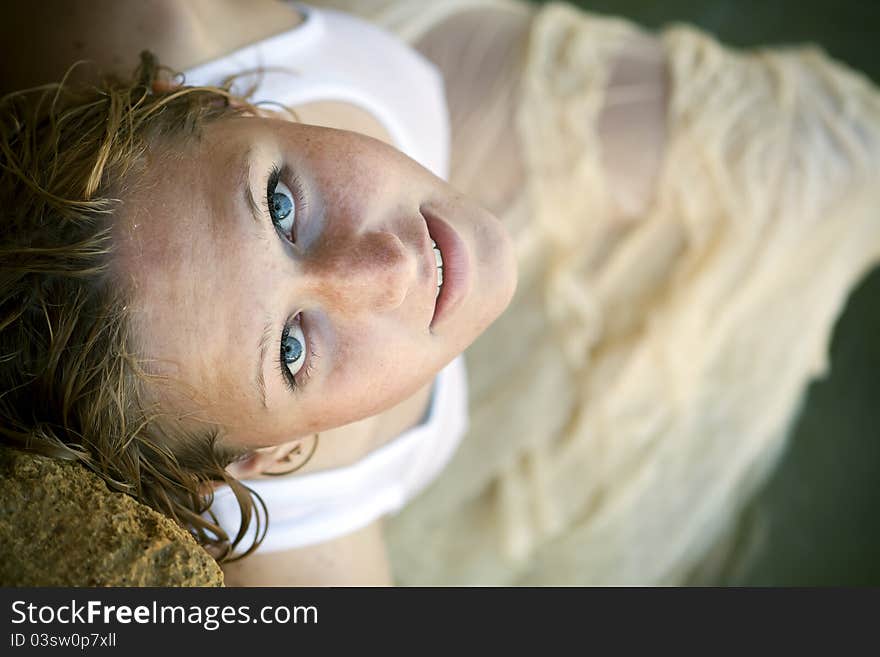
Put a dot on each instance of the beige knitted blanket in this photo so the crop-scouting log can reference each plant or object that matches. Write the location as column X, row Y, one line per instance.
column 642, row 383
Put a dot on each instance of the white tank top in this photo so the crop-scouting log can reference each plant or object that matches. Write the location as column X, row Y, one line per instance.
column 334, row 56
column 315, row 507
column 339, row 57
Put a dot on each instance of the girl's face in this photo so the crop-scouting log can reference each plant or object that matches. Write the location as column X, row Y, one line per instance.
column 284, row 278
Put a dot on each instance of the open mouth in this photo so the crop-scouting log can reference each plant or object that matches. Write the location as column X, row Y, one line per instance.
column 452, row 263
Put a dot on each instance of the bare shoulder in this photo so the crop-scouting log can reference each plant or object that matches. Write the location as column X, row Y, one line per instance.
column 477, row 50
column 356, row 559
column 632, row 123
column 480, row 53
column 39, row 41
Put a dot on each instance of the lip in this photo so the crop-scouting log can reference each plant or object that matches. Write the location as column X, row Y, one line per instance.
column 456, row 267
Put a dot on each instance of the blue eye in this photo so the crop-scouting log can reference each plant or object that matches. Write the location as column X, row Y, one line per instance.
column 282, row 205
column 293, row 349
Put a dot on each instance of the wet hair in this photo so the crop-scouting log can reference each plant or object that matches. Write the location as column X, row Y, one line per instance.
column 72, row 384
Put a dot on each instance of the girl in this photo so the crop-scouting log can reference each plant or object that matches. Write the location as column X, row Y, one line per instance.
column 201, row 290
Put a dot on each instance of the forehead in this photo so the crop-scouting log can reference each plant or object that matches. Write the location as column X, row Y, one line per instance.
column 183, row 246
column 176, row 194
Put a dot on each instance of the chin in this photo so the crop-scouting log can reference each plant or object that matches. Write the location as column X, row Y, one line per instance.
column 505, row 270
column 496, row 288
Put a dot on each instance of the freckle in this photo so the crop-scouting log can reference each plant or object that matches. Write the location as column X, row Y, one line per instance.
column 79, row 45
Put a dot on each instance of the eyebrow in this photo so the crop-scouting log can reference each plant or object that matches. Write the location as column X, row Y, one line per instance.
column 263, row 348
column 256, row 210
column 257, row 214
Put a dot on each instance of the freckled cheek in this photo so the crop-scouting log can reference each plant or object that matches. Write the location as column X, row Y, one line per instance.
column 357, row 178
column 367, row 379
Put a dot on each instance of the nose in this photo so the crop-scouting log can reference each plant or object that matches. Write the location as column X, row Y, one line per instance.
column 372, row 271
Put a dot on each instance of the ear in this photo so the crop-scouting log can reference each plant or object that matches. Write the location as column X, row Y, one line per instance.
column 246, row 467
column 268, row 460
column 164, row 86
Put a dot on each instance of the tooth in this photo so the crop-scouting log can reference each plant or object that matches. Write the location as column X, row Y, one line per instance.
column 438, row 259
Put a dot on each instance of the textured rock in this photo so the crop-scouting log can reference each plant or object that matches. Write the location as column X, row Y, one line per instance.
column 61, row 526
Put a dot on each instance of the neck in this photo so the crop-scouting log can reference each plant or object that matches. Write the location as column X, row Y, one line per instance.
column 342, row 446
column 217, row 27
column 348, row 444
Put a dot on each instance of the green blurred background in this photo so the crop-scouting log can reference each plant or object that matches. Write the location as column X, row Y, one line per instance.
column 817, row 521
